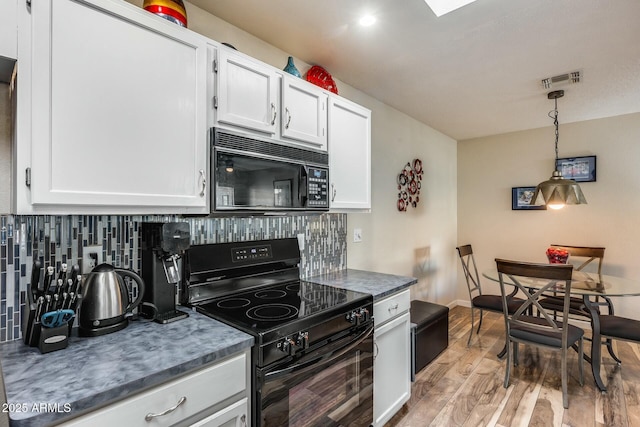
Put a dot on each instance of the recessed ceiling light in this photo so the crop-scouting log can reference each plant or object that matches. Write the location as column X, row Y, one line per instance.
column 440, row 7
column 367, row 20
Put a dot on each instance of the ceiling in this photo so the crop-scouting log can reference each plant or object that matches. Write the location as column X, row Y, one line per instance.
column 474, row 72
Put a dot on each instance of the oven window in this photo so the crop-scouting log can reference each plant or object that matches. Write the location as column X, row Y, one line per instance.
column 335, row 394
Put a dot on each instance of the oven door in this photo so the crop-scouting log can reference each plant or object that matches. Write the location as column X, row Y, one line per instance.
column 329, row 386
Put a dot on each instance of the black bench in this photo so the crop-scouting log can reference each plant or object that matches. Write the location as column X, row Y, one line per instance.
column 430, row 335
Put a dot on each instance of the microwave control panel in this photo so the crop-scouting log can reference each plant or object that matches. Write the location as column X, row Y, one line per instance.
column 318, row 188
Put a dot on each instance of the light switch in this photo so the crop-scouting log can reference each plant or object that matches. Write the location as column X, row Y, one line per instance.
column 357, row 235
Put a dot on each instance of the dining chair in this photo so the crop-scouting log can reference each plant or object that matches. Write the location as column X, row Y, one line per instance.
column 477, row 299
column 620, row 328
column 541, row 330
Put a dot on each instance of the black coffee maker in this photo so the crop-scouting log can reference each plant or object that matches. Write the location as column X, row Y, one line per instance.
column 163, row 245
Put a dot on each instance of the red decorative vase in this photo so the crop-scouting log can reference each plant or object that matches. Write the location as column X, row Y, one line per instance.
column 171, row 10
column 557, row 255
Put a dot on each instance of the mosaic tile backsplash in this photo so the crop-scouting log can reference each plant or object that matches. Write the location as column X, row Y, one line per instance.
column 60, row 239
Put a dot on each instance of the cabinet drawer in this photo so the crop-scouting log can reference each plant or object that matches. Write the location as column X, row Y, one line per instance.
column 390, row 307
column 201, row 389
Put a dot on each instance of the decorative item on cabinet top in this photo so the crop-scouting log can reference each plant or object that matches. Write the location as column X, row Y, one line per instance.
column 229, row 45
column 171, row 10
column 291, row 68
column 409, row 184
column 321, row 77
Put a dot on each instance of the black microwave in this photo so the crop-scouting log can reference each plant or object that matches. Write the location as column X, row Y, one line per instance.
column 254, row 174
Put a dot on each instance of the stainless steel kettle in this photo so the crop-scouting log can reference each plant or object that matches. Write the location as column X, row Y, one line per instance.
column 106, row 306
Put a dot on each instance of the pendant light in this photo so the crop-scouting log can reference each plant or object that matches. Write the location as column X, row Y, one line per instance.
column 557, row 191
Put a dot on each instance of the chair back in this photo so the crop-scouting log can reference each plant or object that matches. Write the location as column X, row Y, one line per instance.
column 545, row 277
column 592, row 253
column 470, row 270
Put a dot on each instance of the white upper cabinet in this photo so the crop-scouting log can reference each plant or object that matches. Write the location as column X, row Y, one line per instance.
column 8, row 28
column 349, row 155
column 8, row 38
column 246, row 93
column 112, row 111
column 304, row 113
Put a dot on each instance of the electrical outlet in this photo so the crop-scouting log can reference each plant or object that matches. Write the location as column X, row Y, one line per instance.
column 91, row 257
column 357, row 235
column 301, row 241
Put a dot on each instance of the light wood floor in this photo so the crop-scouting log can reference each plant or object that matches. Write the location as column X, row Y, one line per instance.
column 464, row 385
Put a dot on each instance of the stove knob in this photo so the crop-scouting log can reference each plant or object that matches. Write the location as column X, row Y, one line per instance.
column 364, row 315
column 287, row 346
column 352, row 317
column 303, row 340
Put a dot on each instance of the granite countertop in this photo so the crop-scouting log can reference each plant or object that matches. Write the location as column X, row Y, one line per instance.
column 379, row 285
column 93, row 371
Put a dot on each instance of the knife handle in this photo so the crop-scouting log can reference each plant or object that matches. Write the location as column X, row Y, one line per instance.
column 49, row 279
column 73, row 274
column 62, row 274
column 35, row 278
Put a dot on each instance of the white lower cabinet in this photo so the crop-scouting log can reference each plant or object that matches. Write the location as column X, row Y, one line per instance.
column 214, row 396
column 392, row 363
column 232, row 416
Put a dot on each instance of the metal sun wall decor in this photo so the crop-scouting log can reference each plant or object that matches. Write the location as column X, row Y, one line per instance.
column 409, row 184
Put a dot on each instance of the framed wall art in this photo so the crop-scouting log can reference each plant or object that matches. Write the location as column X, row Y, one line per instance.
column 579, row 169
column 521, row 197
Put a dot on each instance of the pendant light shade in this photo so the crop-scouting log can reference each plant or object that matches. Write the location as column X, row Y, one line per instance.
column 557, row 191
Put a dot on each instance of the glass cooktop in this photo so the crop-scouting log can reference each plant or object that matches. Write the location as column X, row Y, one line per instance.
column 268, row 307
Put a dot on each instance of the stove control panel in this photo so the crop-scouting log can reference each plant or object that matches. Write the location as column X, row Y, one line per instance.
column 251, row 253
column 358, row 316
column 290, row 345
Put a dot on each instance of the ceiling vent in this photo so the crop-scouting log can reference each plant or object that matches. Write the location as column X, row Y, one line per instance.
column 572, row 77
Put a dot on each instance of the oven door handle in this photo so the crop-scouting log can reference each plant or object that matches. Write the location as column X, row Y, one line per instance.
column 324, row 359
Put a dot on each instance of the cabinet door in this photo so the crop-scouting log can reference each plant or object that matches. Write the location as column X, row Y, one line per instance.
column 118, row 114
column 179, row 401
column 236, row 415
column 349, row 154
column 304, row 113
column 8, row 31
column 247, row 93
column 391, row 368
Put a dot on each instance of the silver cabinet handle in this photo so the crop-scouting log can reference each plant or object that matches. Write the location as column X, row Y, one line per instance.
column 377, row 350
column 333, row 193
column 151, row 416
column 204, row 183
column 393, row 307
column 275, row 113
column 243, row 420
column 286, row 110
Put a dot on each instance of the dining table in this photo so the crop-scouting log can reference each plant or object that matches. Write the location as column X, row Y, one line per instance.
column 596, row 291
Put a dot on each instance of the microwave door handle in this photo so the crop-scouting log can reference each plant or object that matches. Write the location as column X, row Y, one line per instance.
column 322, row 360
column 303, row 191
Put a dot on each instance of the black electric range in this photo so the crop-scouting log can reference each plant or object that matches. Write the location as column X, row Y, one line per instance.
column 255, row 287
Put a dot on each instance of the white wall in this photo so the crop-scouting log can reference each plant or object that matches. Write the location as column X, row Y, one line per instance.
column 488, row 168
column 390, row 238
column 421, row 241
